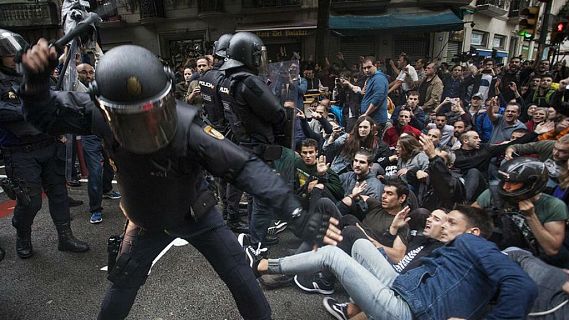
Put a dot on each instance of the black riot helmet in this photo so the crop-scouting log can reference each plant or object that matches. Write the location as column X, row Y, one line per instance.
column 135, row 93
column 245, row 49
column 220, row 46
column 527, row 178
column 11, row 44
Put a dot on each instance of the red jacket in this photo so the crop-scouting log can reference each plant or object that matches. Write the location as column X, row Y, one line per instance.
column 391, row 135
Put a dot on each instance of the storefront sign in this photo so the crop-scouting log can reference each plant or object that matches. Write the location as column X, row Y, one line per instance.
column 23, row 14
column 283, row 33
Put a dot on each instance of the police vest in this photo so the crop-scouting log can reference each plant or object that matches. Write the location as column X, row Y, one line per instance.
column 209, row 82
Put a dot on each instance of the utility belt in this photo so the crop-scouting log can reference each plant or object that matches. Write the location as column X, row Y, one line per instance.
column 27, row 147
column 267, row 152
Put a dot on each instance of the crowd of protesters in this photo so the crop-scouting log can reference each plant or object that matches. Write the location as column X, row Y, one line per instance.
column 448, row 186
column 432, row 168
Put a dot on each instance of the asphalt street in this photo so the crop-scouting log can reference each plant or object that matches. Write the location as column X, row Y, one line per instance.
column 70, row 286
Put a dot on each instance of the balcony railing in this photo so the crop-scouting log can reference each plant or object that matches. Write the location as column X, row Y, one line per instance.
column 271, row 3
column 492, row 8
column 496, row 3
column 108, row 10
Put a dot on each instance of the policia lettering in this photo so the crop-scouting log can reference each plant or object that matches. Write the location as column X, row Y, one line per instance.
column 149, row 132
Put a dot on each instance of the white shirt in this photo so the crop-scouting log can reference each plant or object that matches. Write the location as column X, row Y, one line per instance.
column 404, row 79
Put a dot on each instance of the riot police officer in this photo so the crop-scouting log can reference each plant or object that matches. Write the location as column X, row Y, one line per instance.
column 34, row 160
column 160, row 149
column 254, row 113
column 209, row 82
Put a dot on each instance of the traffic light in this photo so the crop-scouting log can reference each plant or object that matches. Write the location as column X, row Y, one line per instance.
column 528, row 24
column 559, row 32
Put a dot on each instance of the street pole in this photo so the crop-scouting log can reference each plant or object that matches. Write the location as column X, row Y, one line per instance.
column 544, row 29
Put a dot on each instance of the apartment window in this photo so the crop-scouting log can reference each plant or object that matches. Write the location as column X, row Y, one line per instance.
column 499, row 42
column 478, row 38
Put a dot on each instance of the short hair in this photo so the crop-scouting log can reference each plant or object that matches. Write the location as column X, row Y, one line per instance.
column 366, row 153
column 369, row 59
column 477, row 218
column 413, row 93
column 456, row 66
column 486, row 60
column 405, row 58
column 401, row 188
column 309, row 142
column 547, row 75
column 466, row 135
column 514, row 104
column 441, row 114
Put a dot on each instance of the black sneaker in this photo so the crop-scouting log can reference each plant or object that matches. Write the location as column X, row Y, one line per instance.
column 314, row 283
column 253, row 257
column 274, row 281
column 277, row 227
column 337, row 310
column 74, row 183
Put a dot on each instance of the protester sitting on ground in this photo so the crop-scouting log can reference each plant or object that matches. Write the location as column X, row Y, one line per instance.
column 402, row 125
column 458, row 280
column 560, row 129
column 345, row 145
column 411, row 156
column 447, row 130
column 312, row 169
column 528, row 218
column 504, row 124
column 418, row 116
column 439, row 186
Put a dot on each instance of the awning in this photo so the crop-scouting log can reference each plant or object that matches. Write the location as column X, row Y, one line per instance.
column 396, row 19
column 488, row 53
column 277, row 26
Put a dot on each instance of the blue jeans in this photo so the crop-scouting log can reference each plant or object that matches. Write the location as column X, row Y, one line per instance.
column 367, row 277
column 93, row 152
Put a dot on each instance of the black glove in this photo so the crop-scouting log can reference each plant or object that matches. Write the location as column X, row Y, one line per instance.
column 310, row 226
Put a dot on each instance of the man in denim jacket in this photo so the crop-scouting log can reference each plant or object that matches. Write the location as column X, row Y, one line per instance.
column 457, row 280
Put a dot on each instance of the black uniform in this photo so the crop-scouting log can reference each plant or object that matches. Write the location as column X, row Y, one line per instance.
column 256, row 118
column 176, row 201
column 34, row 161
column 209, row 83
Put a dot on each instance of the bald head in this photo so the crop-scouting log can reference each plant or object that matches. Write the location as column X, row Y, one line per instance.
column 86, row 73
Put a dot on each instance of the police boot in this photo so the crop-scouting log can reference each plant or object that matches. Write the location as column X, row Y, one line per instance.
column 67, row 241
column 235, row 224
column 24, row 248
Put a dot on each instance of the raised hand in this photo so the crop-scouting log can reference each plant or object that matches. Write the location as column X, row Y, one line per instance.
column 401, row 218
column 333, row 234
column 358, row 189
column 321, row 165
column 39, row 58
column 428, row 145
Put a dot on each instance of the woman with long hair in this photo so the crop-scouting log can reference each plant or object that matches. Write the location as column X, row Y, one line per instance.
column 411, row 155
column 345, row 145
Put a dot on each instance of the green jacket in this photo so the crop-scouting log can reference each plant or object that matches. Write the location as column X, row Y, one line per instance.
column 304, row 174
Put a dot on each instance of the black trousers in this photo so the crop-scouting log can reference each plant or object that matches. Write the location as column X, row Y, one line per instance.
column 212, row 239
column 37, row 169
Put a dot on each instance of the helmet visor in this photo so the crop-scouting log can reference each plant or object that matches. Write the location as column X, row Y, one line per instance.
column 144, row 127
column 11, row 43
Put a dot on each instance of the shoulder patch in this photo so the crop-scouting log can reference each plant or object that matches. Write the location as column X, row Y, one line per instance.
column 209, row 130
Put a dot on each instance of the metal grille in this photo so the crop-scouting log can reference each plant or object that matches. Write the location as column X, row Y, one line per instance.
column 353, row 50
column 453, row 49
column 271, row 3
column 414, row 48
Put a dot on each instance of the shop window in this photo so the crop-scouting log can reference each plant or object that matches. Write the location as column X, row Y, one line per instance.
column 499, row 42
column 478, row 38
